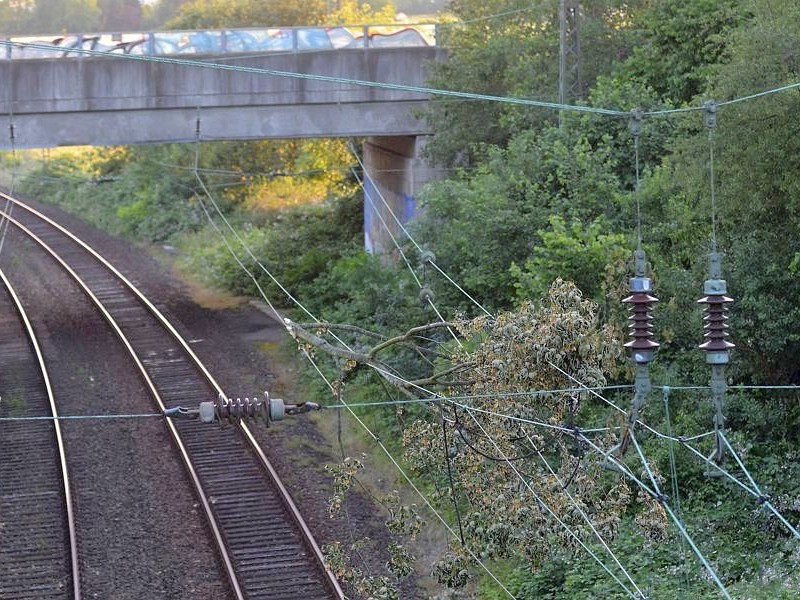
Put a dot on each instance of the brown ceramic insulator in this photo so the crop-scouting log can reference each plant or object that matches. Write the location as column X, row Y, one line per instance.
column 640, row 321
column 716, row 323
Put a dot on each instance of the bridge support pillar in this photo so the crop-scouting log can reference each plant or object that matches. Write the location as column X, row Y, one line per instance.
column 395, row 172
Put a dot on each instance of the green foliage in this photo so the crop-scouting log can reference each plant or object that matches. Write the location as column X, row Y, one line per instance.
column 576, row 253
column 756, row 203
column 488, row 58
column 350, row 12
column 296, row 246
column 613, row 136
column 519, row 350
column 483, row 222
column 511, row 48
column 199, row 14
column 116, row 190
column 49, row 16
column 694, row 35
column 362, row 288
column 158, row 14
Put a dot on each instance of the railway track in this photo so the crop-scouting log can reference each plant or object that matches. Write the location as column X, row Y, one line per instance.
column 263, row 544
column 38, row 549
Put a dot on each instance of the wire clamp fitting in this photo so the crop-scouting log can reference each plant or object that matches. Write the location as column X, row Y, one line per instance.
column 710, row 114
column 427, row 258
column 576, row 431
column 301, row 408
column 426, row 295
column 635, row 122
column 179, row 412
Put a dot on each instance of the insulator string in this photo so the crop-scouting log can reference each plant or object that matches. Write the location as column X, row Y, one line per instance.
column 636, row 193
column 710, row 118
column 713, row 190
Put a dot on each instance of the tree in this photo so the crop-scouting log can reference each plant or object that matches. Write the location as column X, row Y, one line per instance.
column 511, row 48
column 756, row 199
column 199, row 14
column 157, row 15
column 55, row 16
column 531, row 472
column 515, row 483
column 120, row 15
column 483, row 222
column 579, row 252
column 353, row 12
column 695, row 35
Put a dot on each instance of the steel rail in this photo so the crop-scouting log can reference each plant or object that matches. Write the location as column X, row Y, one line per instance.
column 71, row 527
column 156, row 397
column 247, row 433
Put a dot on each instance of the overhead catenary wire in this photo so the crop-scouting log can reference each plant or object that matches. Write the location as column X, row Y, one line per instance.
column 408, row 235
column 364, row 425
column 586, row 518
column 755, row 491
column 637, row 188
column 526, row 421
column 761, row 496
column 656, row 494
column 93, row 417
column 705, row 387
column 674, row 475
column 450, row 478
column 395, row 86
column 712, row 181
column 662, row 500
column 551, row 512
column 594, row 393
column 357, row 418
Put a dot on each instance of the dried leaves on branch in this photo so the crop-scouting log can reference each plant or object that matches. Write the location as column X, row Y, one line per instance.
column 524, row 483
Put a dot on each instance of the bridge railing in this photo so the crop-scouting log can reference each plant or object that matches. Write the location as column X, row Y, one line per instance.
column 226, row 41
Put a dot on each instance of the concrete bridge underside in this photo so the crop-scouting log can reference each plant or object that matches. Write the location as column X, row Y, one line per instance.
column 113, row 100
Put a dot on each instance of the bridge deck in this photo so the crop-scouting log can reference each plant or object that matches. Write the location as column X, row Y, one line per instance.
column 115, row 99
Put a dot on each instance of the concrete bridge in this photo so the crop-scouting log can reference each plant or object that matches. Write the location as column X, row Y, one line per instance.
column 73, row 95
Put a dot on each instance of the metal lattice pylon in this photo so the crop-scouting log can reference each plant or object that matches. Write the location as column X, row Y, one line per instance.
column 569, row 72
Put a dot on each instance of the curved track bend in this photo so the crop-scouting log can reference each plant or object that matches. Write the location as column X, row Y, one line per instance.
column 38, row 544
column 265, row 546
